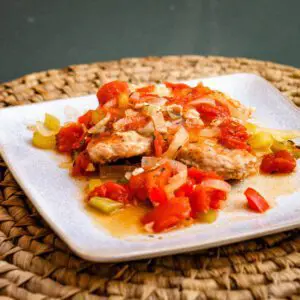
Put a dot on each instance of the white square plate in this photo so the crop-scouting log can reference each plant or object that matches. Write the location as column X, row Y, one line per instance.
column 58, row 197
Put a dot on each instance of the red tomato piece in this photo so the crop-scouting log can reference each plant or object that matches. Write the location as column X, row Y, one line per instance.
column 140, row 185
column 233, row 135
column 279, row 162
column 112, row 90
column 256, row 201
column 68, row 136
column 86, row 119
column 159, row 144
column 209, row 112
column 157, row 196
column 186, row 189
column 199, row 175
column 200, row 91
column 112, row 190
column 146, row 89
column 168, row 215
column 80, row 164
column 136, row 123
column 216, row 196
column 199, row 200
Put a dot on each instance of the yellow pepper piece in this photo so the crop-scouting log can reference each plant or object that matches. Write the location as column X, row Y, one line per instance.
column 105, row 205
column 97, row 116
column 208, row 217
column 51, row 122
column 93, row 183
column 43, row 142
column 261, row 141
column 251, row 128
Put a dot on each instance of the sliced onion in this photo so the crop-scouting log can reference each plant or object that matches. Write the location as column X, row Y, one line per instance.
column 110, row 103
column 99, row 126
column 130, row 113
column 71, row 113
column 159, row 121
column 180, row 139
column 209, row 132
column 217, row 184
column 120, row 124
column 177, row 180
column 203, row 101
column 40, row 127
column 149, row 162
column 135, row 96
column 158, row 101
column 147, row 130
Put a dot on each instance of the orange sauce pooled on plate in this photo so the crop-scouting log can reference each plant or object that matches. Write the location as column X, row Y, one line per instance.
column 122, row 223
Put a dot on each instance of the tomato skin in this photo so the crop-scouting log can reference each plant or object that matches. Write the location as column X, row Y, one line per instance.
column 68, row 136
column 146, row 89
column 159, row 144
column 157, row 196
column 186, row 189
column 279, row 162
column 140, row 185
column 199, row 175
column 199, row 200
column 233, row 135
column 112, row 190
column 209, row 112
column 80, row 164
column 256, row 201
column 86, row 119
column 168, row 215
column 111, row 90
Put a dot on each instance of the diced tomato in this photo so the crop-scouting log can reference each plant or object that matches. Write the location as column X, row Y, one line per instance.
column 233, row 135
column 216, row 196
column 157, row 196
column 80, row 164
column 210, row 112
column 200, row 91
column 159, row 144
column 146, row 89
column 140, row 185
column 199, row 175
column 168, row 215
column 112, row 191
column 115, row 113
column 199, row 200
column 112, row 90
column 86, row 119
column 68, row 136
column 256, row 201
column 186, row 189
column 279, row 162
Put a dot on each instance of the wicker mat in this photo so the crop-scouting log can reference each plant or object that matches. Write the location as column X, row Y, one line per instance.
column 36, row 264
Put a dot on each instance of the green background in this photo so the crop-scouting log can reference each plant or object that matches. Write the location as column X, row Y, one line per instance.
column 39, row 35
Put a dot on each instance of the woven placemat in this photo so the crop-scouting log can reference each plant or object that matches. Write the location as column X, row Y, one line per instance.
column 36, row 264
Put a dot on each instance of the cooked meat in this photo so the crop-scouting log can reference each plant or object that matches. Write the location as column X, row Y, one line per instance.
column 118, row 145
column 209, row 156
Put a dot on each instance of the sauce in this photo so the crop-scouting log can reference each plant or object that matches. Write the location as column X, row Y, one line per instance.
column 126, row 222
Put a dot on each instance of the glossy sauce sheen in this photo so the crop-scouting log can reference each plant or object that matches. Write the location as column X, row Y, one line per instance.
column 126, row 222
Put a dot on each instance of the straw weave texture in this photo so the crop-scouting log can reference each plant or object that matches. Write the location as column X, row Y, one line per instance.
column 35, row 264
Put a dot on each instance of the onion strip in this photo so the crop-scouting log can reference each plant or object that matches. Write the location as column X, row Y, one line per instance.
column 99, row 126
column 217, row 184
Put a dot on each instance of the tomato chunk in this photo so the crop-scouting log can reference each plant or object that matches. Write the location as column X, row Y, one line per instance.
column 186, row 189
column 168, row 215
column 233, row 135
column 209, row 112
column 256, row 201
column 112, row 90
column 80, row 164
column 112, row 191
column 199, row 200
column 68, row 136
column 216, row 196
column 140, row 185
column 199, row 175
column 157, row 196
column 279, row 162
column 86, row 119
column 146, row 89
